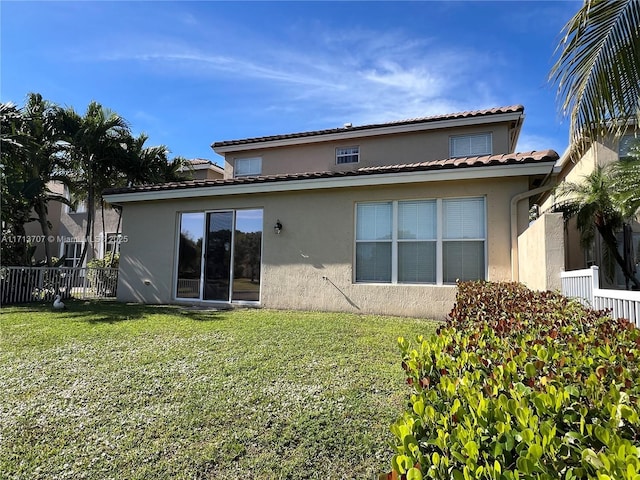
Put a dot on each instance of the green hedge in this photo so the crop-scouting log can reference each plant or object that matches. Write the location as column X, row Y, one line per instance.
column 521, row 385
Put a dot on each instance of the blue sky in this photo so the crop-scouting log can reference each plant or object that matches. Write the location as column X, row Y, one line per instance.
column 192, row 73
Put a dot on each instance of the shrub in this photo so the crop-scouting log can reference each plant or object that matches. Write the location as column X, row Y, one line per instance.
column 521, row 385
column 105, row 262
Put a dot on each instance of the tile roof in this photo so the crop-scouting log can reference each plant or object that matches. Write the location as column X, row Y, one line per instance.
column 542, row 156
column 200, row 161
column 435, row 118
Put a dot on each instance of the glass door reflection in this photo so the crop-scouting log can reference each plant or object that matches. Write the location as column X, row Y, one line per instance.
column 217, row 266
column 247, row 256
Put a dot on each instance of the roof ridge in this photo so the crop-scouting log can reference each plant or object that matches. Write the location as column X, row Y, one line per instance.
column 433, row 118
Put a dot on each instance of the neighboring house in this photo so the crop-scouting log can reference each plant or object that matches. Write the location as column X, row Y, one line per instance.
column 68, row 225
column 68, row 229
column 573, row 167
column 377, row 218
column 203, row 169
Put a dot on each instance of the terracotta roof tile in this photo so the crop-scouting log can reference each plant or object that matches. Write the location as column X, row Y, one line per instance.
column 542, row 156
column 435, row 118
column 200, row 161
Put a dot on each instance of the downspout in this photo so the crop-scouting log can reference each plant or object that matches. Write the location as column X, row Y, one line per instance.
column 515, row 274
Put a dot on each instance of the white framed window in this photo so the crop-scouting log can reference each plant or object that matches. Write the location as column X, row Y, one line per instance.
column 417, row 241
column 80, row 207
column 463, row 239
column 471, row 145
column 347, row 155
column 112, row 243
column 434, row 241
column 374, row 241
column 72, row 252
column 248, row 167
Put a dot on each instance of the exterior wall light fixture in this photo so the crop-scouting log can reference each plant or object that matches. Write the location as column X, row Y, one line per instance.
column 277, row 227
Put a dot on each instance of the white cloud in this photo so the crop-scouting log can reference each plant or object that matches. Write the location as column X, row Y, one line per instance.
column 362, row 76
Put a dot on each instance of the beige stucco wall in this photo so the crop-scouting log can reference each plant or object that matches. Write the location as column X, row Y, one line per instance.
column 73, row 228
column 309, row 266
column 33, row 229
column 374, row 151
column 541, row 253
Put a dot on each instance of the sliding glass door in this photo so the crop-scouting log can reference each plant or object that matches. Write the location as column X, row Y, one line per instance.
column 247, row 255
column 217, row 256
column 223, row 252
column 190, row 255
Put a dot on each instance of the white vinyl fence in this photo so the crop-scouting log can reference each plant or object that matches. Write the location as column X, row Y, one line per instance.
column 34, row 284
column 585, row 286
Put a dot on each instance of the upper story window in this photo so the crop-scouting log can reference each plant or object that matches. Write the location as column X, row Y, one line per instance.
column 627, row 142
column 470, row 145
column 248, row 167
column 347, row 155
column 79, row 206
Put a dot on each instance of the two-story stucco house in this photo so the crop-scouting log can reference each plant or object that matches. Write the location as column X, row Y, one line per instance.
column 377, row 218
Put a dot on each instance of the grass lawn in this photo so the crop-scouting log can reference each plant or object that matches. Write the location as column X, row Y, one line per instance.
column 113, row 391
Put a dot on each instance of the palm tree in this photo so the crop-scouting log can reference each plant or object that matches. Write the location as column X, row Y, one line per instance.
column 147, row 165
column 177, row 170
column 597, row 206
column 16, row 211
column 598, row 79
column 98, row 142
column 598, row 70
column 35, row 155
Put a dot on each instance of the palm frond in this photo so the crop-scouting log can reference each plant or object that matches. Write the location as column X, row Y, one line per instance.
column 592, row 202
column 598, row 69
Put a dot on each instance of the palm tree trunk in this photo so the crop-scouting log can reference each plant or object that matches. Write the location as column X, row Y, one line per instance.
column 41, row 211
column 87, row 235
column 104, row 229
column 21, row 251
column 611, row 242
column 119, row 209
column 88, row 241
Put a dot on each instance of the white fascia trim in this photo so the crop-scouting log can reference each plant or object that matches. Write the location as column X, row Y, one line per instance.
column 392, row 129
column 334, row 182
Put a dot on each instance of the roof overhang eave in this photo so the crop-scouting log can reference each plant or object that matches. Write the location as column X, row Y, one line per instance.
column 347, row 181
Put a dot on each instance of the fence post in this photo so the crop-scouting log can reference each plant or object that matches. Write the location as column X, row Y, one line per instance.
column 40, row 272
column 595, row 282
